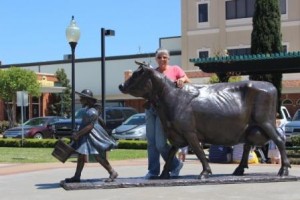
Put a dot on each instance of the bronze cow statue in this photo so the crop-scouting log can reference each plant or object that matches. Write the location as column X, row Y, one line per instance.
column 222, row 114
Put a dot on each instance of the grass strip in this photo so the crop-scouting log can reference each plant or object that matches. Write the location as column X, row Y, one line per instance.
column 43, row 155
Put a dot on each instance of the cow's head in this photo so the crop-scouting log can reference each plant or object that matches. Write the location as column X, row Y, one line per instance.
column 139, row 84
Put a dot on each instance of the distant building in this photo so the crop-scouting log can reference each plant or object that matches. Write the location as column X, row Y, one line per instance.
column 210, row 27
column 38, row 106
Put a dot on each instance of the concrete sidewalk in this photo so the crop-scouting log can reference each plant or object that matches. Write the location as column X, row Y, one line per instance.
column 41, row 181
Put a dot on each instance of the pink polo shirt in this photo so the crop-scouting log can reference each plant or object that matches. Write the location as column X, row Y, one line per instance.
column 174, row 72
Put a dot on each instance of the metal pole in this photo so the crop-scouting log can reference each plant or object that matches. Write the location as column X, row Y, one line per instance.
column 103, row 73
column 73, row 46
column 22, row 119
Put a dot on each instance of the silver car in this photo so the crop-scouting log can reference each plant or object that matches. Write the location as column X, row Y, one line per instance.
column 134, row 128
column 292, row 128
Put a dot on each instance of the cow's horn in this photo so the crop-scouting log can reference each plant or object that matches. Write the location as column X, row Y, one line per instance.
column 140, row 63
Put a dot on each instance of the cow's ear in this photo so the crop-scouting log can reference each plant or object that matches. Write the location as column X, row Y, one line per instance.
column 146, row 67
column 141, row 68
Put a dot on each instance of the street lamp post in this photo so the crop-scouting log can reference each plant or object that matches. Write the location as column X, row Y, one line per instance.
column 103, row 34
column 73, row 35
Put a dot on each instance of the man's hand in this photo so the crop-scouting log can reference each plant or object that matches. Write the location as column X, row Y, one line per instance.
column 180, row 83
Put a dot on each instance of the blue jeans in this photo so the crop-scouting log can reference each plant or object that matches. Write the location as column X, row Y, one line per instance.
column 157, row 143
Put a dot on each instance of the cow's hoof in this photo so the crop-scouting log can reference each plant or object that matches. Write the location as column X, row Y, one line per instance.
column 284, row 171
column 239, row 171
column 164, row 176
column 204, row 175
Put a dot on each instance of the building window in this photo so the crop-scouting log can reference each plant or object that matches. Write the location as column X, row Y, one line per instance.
column 202, row 12
column 237, row 52
column 287, row 102
column 36, row 107
column 247, row 51
column 237, row 9
column 282, row 5
column 203, row 54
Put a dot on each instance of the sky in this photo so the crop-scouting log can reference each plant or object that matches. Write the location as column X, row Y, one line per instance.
column 34, row 30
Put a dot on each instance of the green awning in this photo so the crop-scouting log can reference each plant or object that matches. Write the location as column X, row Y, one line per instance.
column 251, row 64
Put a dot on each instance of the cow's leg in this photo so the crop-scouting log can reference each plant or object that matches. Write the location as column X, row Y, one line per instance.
column 285, row 164
column 239, row 171
column 198, row 150
column 165, row 174
column 280, row 143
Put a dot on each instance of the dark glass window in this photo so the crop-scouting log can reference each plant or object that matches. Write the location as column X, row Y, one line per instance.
column 237, row 52
column 237, row 9
column 230, row 10
column 283, row 6
column 203, row 54
column 202, row 12
column 284, row 48
column 246, row 51
column 287, row 102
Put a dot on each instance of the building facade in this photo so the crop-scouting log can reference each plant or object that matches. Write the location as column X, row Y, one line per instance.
column 209, row 27
column 37, row 106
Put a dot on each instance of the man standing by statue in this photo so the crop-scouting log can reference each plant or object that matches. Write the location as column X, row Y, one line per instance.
column 157, row 141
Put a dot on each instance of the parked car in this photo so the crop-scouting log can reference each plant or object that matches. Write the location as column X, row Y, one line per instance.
column 115, row 116
column 296, row 116
column 134, row 128
column 39, row 127
column 284, row 116
column 292, row 128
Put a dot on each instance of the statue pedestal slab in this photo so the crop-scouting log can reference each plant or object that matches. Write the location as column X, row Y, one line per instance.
column 186, row 180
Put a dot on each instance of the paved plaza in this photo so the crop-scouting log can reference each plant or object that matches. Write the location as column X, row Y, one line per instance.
column 42, row 181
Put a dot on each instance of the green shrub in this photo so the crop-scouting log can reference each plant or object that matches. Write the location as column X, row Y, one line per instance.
column 294, row 161
column 132, row 144
column 295, row 140
column 35, row 143
column 10, row 143
column 3, row 126
column 50, row 143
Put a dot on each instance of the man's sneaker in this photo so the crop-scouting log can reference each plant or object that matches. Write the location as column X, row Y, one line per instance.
column 150, row 176
column 176, row 171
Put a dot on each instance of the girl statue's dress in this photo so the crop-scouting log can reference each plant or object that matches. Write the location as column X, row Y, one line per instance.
column 97, row 140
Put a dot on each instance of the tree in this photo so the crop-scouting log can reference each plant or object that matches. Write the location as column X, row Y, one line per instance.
column 16, row 79
column 266, row 38
column 222, row 77
column 61, row 103
column 215, row 78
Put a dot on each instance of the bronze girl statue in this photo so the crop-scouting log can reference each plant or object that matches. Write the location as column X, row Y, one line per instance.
column 91, row 139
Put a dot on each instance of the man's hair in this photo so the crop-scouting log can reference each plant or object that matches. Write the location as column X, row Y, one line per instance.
column 161, row 51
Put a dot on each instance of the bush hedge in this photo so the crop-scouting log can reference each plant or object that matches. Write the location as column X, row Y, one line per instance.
column 295, row 140
column 45, row 143
column 50, row 143
column 132, row 144
column 3, row 126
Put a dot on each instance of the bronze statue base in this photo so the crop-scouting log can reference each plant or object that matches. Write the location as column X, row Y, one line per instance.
column 186, row 180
